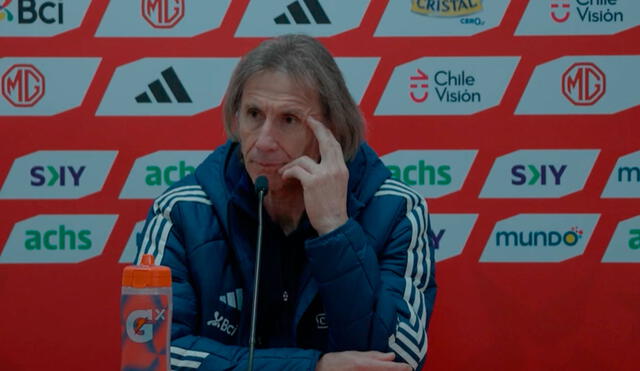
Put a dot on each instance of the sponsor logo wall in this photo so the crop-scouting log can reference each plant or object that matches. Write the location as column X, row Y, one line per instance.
column 518, row 121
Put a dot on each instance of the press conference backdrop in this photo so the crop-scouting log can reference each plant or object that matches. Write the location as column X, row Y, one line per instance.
column 517, row 120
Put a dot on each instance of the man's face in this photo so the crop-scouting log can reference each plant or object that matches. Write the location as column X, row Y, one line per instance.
column 271, row 127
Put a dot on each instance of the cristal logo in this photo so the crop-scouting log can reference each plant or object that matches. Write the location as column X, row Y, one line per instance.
column 140, row 324
column 583, row 84
column 446, row 8
column 23, row 85
column 560, row 10
column 422, row 174
column 4, row 12
column 538, row 238
column 162, row 13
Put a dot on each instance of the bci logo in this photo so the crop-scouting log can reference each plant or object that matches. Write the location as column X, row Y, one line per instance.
column 537, row 174
column 59, row 175
column 61, row 238
column 23, row 85
column 421, row 174
column 163, row 13
column 538, row 238
column 31, row 11
column 157, row 176
column 583, row 84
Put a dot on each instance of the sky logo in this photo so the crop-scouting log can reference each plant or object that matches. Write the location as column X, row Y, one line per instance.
column 58, row 239
column 57, row 174
column 539, row 173
column 624, row 181
column 432, row 173
column 624, row 246
column 548, row 238
column 161, row 18
column 447, row 86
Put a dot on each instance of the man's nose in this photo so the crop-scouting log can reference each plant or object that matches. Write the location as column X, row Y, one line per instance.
column 267, row 136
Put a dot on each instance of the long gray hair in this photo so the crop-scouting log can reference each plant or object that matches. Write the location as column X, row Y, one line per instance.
column 308, row 63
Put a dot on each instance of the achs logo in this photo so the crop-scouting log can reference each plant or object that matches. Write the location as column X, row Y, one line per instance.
column 538, row 238
column 583, row 84
column 560, row 10
column 222, row 324
column 159, row 92
column 162, row 13
column 418, row 86
column 446, row 8
column 4, row 12
column 23, row 85
column 297, row 12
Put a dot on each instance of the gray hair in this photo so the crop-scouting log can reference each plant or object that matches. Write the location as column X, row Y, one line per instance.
column 309, row 63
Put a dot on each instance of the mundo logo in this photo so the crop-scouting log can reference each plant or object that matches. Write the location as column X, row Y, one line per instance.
column 583, row 84
column 579, row 17
column 162, row 13
column 539, row 238
column 624, row 181
column 539, row 173
column 624, row 246
column 455, row 86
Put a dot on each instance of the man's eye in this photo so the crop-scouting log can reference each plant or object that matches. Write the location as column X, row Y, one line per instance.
column 290, row 119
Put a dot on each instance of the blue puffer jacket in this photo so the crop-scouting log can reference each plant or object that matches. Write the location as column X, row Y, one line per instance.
column 368, row 285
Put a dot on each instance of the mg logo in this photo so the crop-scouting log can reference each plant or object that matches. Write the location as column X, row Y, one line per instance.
column 22, row 85
column 583, row 84
column 162, row 13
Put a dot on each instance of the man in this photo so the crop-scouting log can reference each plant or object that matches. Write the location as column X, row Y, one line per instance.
column 347, row 277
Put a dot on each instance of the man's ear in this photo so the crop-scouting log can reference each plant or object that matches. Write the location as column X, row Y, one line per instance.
column 234, row 125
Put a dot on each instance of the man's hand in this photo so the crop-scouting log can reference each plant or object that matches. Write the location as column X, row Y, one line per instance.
column 354, row 361
column 325, row 183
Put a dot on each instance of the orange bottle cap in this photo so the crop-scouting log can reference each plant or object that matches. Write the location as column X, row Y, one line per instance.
column 146, row 274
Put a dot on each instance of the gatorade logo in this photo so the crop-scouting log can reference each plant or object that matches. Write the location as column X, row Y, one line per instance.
column 162, row 13
column 140, row 324
column 23, row 85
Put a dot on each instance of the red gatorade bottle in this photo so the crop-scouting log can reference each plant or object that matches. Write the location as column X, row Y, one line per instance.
column 145, row 316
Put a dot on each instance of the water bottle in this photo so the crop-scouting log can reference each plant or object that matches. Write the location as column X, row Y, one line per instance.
column 145, row 316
